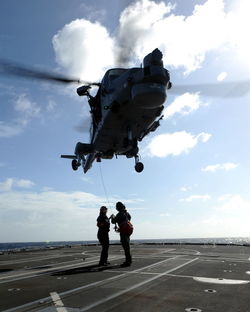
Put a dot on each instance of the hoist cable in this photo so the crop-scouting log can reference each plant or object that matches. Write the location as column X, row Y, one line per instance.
column 104, row 188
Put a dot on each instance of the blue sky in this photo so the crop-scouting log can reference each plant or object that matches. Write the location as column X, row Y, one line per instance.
column 196, row 177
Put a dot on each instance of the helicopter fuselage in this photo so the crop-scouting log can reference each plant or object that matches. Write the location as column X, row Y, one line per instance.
column 127, row 106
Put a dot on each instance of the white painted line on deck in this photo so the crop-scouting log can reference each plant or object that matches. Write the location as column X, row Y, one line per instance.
column 224, row 281
column 165, row 251
column 58, row 302
column 71, row 291
column 119, row 293
column 196, row 252
column 113, row 278
column 33, row 259
column 14, row 277
column 34, row 273
column 197, row 278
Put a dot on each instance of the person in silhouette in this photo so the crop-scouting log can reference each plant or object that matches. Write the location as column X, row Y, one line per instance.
column 121, row 217
column 103, row 235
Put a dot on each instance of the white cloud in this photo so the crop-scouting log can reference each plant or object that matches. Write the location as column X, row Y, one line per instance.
column 47, row 188
column 87, row 180
column 234, row 204
column 85, row 49
column 25, row 106
column 237, row 24
column 145, row 25
column 222, row 76
column 27, row 110
column 195, row 197
column 184, row 105
column 10, row 129
column 225, row 197
column 51, row 105
column 225, row 166
column 165, row 214
column 50, row 215
column 174, row 143
column 23, row 183
column 6, row 185
column 185, row 188
column 231, row 218
column 9, row 183
column 136, row 30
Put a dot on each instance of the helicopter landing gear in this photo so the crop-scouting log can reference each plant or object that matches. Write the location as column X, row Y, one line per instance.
column 138, row 165
column 80, row 161
column 74, row 164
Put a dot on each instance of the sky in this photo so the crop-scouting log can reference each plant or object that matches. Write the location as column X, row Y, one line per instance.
column 195, row 182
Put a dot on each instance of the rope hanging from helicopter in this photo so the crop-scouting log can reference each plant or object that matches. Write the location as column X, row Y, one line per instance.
column 104, row 188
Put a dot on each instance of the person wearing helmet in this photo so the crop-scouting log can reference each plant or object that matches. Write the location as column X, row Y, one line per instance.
column 103, row 235
column 120, row 218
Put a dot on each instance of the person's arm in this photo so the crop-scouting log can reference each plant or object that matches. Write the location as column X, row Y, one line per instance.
column 113, row 219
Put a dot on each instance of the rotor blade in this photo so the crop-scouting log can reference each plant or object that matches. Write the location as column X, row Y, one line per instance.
column 14, row 69
column 220, row 89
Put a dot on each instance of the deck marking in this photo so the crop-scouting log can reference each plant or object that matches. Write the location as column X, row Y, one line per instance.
column 12, row 278
column 196, row 252
column 119, row 293
column 36, row 258
column 67, row 292
column 224, row 281
column 165, row 251
column 10, row 262
column 48, row 270
column 46, row 299
column 58, row 302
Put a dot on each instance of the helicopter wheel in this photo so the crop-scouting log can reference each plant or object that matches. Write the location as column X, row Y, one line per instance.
column 139, row 167
column 74, row 164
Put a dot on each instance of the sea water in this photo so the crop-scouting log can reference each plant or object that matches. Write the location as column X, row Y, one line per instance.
column 44, row 245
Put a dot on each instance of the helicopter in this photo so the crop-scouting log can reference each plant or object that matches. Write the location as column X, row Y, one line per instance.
column 127, row 107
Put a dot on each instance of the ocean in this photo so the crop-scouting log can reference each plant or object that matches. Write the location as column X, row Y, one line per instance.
column 24, row 246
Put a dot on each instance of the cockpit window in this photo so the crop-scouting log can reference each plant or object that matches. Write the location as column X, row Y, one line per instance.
column 111, row 75
column 116, row 72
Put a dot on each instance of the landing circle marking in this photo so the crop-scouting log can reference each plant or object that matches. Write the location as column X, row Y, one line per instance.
column 220, row 281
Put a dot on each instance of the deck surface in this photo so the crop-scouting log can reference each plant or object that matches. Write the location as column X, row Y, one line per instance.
column 167, row 278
